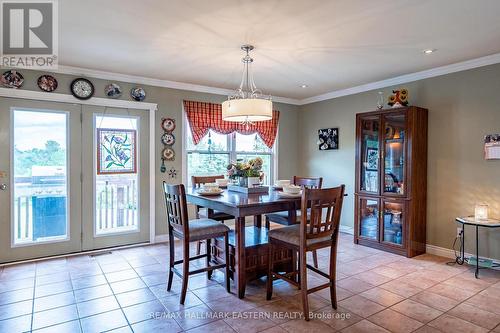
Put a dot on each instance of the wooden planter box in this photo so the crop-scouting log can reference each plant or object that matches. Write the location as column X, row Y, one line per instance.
column 256, row 247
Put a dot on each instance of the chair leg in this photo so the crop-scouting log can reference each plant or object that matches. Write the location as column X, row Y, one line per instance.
column 268, row 223
column 333, row 282
column 209, row 258
column 171, row 261
column 303, row 283
column 315, row 259
column 226, row 259
column 269, row 284
column 185, row 272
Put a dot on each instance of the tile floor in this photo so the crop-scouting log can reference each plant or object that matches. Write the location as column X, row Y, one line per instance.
column 125, row 291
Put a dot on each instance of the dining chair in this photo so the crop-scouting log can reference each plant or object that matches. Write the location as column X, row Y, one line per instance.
column 321, row 230
column 292, row 216
column 198, row 181
column 179, row 226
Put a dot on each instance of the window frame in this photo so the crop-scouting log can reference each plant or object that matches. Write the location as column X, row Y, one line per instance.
column 231, row 151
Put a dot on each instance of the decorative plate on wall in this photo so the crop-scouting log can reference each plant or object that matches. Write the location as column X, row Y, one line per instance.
column 168, row 154
column 168, row 124
column 12, row 79
column 168, row 139
column 138, row 94
column 47, row 83
column 113, row 90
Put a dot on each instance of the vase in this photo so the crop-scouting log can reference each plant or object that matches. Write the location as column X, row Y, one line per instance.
column 249, row 181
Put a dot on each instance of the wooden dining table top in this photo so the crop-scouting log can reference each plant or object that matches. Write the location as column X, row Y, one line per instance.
column 239, row 199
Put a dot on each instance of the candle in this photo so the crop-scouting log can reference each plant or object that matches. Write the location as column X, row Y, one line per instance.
column 481, row 211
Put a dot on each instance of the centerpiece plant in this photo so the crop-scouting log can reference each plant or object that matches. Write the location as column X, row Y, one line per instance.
column 242, row 171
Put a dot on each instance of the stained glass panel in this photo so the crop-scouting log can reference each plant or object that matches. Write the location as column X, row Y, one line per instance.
column 116, row 151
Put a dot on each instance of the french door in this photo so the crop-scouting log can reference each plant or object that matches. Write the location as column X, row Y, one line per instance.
column 57, row 194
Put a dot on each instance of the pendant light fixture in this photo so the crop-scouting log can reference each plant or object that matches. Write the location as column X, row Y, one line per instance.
column 247, row 104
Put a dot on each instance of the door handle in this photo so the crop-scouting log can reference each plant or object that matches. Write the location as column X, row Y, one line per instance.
column 3, row 187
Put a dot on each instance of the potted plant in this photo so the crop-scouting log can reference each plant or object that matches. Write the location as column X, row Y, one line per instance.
column 248, row 173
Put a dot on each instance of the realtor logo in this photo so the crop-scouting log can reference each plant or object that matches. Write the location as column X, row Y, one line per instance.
column 29, row 34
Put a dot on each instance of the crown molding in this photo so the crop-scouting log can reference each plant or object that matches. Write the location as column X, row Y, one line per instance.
column 425, row 74
column 429, row 73
column 97, row 74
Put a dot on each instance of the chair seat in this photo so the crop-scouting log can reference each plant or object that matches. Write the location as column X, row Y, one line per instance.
column 204, row 229
column 291, row 235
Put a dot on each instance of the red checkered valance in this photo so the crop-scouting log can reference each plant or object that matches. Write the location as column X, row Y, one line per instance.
column 208, row 116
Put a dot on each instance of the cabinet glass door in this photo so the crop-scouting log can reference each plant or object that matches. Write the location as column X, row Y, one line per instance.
column 394, row 154
column 369, row 173
column 368, row 218
column 394, row 215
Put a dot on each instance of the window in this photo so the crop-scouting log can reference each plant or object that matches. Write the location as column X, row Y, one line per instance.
column 212, row 159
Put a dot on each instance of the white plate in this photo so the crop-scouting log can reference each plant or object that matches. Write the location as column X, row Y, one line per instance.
column 289, row 195
column 276, row 187
column 209, row 193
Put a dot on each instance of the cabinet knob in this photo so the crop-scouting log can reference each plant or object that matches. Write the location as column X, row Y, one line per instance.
column 3, row 187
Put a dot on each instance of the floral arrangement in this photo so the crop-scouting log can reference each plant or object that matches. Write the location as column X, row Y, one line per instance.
column 252, row 168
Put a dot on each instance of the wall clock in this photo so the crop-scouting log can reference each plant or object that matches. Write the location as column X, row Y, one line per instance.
column 168, row 124
column 82, row 88
column 47, row 83
column 168, row 139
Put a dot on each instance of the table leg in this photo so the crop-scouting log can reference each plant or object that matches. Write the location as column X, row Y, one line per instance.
column 257, row 221
column 460, row 260
column 240, row 256
column 477, row 253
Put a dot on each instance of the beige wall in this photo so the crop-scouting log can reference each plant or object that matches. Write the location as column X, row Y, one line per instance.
column 463, row 107
column 170, row 105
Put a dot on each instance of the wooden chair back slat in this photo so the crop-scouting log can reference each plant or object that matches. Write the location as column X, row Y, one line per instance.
column 325, row 206
column 308, row 182
column 197, row 181
column 175, row 200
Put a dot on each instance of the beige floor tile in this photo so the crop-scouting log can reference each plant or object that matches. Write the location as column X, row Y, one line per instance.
column 395, row 321
column 401, row 288
column 280, row 311
column 436, row 301
column 354, row 285
column 416, row 310
column 427, row 329
column 372, row 278
column 390, row 272
column 365, row 326
column 361, row 306
column 338, row 319
column 382, row 296
column 341, row 293
column 302, row 326
column 218, row 326
column 453, row 292
column 249, row 324
column 465, row 283
column 476, row 316
column 484, row 302
column 450, row 324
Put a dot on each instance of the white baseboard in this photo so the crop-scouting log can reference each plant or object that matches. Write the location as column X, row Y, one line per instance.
column 161, row 238
column 440, row 251
column 346, row 229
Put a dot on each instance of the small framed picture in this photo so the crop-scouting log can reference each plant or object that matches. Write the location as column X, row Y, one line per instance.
column 372, row 159
column 492, row 147
column 328, row 138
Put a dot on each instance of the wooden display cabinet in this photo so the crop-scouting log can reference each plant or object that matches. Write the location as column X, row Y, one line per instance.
column 391, row 180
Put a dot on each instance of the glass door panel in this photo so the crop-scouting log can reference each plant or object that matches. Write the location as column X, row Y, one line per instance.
column 394, row 215
column 369, row 178
column 394, row 154
column 368, row 218
column 40, row 160
column 116, row 175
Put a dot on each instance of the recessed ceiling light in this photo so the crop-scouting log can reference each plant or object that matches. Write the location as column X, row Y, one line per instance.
column 304, row 86
column 429, row 51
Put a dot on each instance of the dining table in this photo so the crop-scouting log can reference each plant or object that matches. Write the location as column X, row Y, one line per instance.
column 242, row 205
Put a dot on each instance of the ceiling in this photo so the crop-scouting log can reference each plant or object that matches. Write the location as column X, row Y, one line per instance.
column 327, row 45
